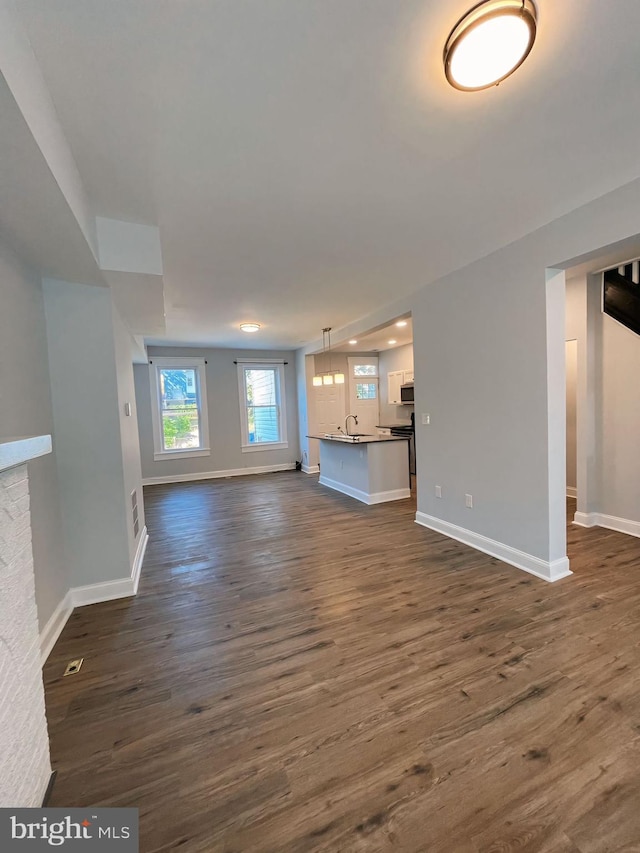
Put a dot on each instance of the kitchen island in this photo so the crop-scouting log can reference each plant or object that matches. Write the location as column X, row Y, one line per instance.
column 372, row 469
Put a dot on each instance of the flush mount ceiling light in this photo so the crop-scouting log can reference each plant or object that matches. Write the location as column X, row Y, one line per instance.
column 489, row 43
column 250, row 327
column 353, row 343
column 401, row 323
column 392, row 342
column 327, row 377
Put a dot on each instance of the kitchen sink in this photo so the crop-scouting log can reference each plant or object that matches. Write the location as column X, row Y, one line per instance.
column 353, row 436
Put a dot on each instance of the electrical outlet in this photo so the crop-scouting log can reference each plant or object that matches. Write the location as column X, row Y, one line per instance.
column 438, row 491
column 468, row 501
column 426, row 420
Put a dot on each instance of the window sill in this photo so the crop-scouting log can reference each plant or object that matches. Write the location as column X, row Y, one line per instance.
column 181, row 454
column 265, row 445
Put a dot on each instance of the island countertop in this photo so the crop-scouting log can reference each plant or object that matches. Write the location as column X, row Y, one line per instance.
column 377, row 471
column 359, row 440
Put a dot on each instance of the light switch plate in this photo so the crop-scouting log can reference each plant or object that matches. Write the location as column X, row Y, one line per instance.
column 426, row 420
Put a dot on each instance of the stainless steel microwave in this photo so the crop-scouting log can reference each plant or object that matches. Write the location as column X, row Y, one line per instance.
column 406, row 393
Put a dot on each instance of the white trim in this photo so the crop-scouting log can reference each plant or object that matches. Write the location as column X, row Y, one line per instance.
column 91, row 594
column 139, row 558
column 94, row 593
column 586, row 519
column 310, row 469
column 157, row 363
column 572, row 492
column 265, row 445
column 281, row 405
column 163, row 455
column 611, row 522
column 548, row 571
column 216, row 475
column 15, row 451
column 366, row 497
column 54, row 627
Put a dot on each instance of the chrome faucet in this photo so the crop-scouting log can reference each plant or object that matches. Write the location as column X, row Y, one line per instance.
column 346, row 423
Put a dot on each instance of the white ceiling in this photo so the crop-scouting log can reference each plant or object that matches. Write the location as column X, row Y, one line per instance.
column 379, row 339
column 307, row 162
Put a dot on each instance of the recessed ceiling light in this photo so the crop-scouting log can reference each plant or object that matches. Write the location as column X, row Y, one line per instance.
column 489, row 43
column 250, row 327
column 353, row 342
column 401, row 323
column 392, row 342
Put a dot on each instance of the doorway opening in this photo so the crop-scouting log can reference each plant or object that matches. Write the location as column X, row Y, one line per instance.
column 376, row 365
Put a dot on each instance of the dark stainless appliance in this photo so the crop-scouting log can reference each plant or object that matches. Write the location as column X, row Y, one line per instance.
column 409, row 431
column 406, row 393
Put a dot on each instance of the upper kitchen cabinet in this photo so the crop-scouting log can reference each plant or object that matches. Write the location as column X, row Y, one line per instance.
column 395, row 379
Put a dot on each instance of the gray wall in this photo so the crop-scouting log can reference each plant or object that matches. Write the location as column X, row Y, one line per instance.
column 489, row 355
column 224, row 415
column 130, row 442
column 608, row 404
column 481, row 374
column 25, row 409
column 489, row 366
column 400, row 358
column 84, row 390
column 572, row 413
column 620, row 421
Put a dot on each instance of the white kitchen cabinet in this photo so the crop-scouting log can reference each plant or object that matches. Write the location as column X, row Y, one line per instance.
column 395, row 379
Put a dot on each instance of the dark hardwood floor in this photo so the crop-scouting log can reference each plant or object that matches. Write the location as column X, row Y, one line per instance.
column 300, row 672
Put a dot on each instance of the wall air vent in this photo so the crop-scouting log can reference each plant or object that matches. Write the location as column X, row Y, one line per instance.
column 134, row 513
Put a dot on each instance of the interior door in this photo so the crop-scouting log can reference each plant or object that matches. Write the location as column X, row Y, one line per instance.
column 364, row 394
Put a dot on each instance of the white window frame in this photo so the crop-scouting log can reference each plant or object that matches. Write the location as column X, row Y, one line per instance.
column 198, row 365
column 264, row 364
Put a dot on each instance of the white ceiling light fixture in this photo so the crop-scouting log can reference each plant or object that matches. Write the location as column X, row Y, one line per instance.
column 327, row 377
column 353, row 343
column 250, row 327
column 489, row 43
column 401, row 323
column 392, row 342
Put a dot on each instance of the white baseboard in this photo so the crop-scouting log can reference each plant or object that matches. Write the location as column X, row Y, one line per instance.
column 611, row 522
column 548, row 571
column 310, row 469
column 585, row 519
column 365, row 497
column 93, row 593
column 217, row 475
column 54, row 627
column 572, row 492
column 139, row 558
